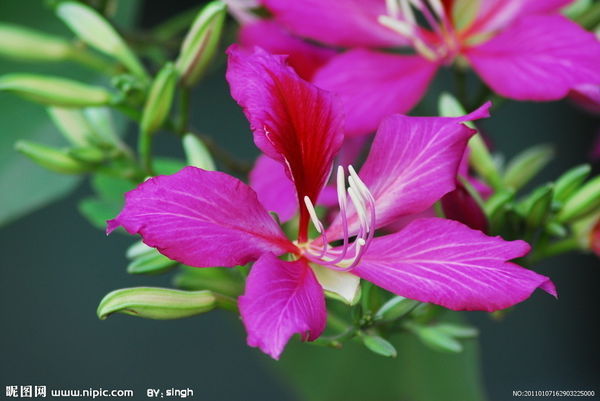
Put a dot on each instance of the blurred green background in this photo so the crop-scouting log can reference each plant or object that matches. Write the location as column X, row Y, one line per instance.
column 55, row 267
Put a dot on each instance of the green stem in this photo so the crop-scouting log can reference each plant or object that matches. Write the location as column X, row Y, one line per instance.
column 225, row 302
column 184, row 110
column 145, row 151
column 91, row 60
column 460, row 81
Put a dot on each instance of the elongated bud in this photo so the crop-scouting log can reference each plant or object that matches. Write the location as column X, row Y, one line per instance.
column 436, row 339
column 87, row 154
column 201, row 42
column 156, row 303
column 151, row 263
column 379, row 345
column 100, row 119
column 526, row 165
column 479, row 157
column 196, row 153
column 395, row 308
column 26, row 44
column 582, row 202
column 51, row 158
column 570, row 181
column 72, row 124
column 159, row 99
column 537, row 207
column 55, row 91
column 456, row 330
column 94, row 30
column 222, row 281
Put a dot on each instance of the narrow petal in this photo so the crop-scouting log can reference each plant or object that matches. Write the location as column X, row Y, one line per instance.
column 293, row 121
column 446, row 263
column 202, row 219
column 340, row 23
column 274, row 188
column 374, row 85
column 304, row 57
column 412, row 163
column 281, row 299
column 538, row 58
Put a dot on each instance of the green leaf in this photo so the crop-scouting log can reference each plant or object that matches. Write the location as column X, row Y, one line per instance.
column 156, row 303
column 526, row 165
column 379, row 345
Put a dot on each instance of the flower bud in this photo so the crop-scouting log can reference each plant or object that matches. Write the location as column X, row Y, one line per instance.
column 51, row 158
column 536, row 208
column 159, row 100
column 156, row 303
column 395, row 308
column 582, row 202
column 87, row 154
column 27, row 44
column 570, row 181
column 379, row 345
column 526, row 165
column 436, row 339
column 94, row 30
column 196, row 153
column 72, row 124
column 200, row 44
column 55, row 91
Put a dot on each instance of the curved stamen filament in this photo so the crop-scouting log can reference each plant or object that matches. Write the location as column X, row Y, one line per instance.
column 348, row 255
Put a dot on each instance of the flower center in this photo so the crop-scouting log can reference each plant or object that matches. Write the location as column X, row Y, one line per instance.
column 439, row 42
column 347, row 256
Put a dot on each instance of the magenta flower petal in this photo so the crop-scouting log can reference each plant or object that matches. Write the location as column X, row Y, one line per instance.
column 374, row 85
column 538, row 58
column 498, row 14
column 274, row 188
column 293, row 121
column 446, row 263
column 281, row 299
column 201, row 218
column 412, row 163
column 340, row 23
column 304, row 57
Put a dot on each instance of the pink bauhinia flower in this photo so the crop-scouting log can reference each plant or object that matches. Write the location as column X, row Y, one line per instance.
column 522, row 49
column 203, row 218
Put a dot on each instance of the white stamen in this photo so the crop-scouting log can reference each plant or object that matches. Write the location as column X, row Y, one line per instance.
column 313, row 214
column 392, row 8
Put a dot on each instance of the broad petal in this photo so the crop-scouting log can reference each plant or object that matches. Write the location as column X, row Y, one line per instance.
column 341, row 23
column 304, row 57
column 281, row 299
column 412, row 163
column 374, row 85
column 202, row 219
column 293, row 121
column 446, row 263
column 494, row 15
column 538, row 58
column 274, row 188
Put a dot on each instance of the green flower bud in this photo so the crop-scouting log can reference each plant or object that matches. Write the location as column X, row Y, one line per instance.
column 72, row 124
column 200, row 44
column 395, row 308
column 88, row 154
column 22, row 43
column 457, row 331
column 94, row 30
column 480, row 158
column 379, row 345
column 537, row 207
column 159, row 100
column 156, row 303
column 196, row 153
column 51, row 158
column 526, row 165
column 585, row 200
column 55, row 91
column 570, row 181
column 438, row 340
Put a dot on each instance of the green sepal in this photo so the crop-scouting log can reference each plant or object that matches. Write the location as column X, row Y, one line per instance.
column 51, row 158
column 571, row 181
column 159, row 101
column 96, row 31
column 157, row 303
column 55, row 91
column 201, row 42
column 396, row 308
column 379, row 345
column 196, row 153
column 526, row 165
column 585, row 200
